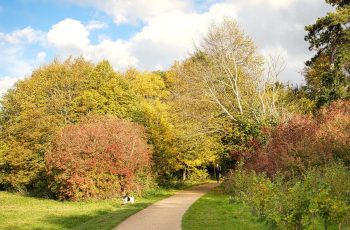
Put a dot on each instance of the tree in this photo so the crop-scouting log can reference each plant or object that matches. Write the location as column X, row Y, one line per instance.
column 195, row 141
column 54, row 96
column 175, row 147
column 221, row 96
column 230, row 67
column 328, row 72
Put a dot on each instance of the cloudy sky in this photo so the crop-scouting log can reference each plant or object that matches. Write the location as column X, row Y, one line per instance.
column 147, row 34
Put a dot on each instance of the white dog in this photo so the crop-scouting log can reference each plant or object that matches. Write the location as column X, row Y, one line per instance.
column 128, row 199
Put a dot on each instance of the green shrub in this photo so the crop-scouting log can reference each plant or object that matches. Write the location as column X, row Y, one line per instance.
column 256, row 190
column 298, row 203
column 331, row 198
column 238, row 183
column 293, row 212
column 197, row 175
column 145, row 181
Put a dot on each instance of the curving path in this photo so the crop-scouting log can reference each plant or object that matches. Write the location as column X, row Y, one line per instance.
column 165, row 214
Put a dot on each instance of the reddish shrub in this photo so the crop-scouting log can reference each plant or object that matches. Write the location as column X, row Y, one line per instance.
column 97, row 159
column 286, row 147
column 302, row 141
column 334, row 130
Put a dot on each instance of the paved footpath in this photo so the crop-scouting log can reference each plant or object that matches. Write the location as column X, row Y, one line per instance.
column 165, row 214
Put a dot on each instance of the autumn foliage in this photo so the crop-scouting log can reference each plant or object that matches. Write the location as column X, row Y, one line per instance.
column 97, row 159
column 303, row 142
column 300, row 176
column 334, row 131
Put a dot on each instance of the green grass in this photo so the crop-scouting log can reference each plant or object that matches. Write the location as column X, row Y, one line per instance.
column 22, row 212
column 214, row 211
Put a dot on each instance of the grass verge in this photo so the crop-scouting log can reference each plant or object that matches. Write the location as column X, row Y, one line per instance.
column 213, row 211
column 22, row 212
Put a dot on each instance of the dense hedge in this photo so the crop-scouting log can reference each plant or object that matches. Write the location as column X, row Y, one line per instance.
column 100, row 158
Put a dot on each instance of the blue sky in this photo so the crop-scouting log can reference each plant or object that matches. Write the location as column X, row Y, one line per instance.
column 148, row 34
column 41, row 15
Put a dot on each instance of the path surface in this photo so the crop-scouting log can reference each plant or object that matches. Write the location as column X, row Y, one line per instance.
column 165, row 214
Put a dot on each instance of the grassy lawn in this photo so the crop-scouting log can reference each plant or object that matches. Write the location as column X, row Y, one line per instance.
column 21, row 212
column 213, row 211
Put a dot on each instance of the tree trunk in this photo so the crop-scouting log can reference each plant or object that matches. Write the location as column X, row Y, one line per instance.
column 184, row 174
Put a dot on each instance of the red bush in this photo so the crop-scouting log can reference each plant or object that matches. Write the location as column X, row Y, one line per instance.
column 302, row 142
column 287, row 147
column 334, row 130
column 97, row 159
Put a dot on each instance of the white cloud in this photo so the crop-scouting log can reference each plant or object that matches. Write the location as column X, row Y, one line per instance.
column 69, row 34
column 21, row 36
column 124, row 11
column 293, row 63
column 71, row 37
column 95, row 25
column 279, row 24
column 117, row 52
column 6, row 83
column 165, row 38
column 275, row 51
column 275, row 4
column 173, row 35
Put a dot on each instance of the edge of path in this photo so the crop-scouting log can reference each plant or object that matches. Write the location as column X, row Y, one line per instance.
column 166, row 213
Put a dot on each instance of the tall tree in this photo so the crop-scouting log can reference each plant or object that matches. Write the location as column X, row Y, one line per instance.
column 222, row 89
column 328, row 72
column 232, row 68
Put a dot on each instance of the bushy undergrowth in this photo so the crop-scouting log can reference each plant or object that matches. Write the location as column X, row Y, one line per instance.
column 99, row 158
column 321, row 193
column 300, row 177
